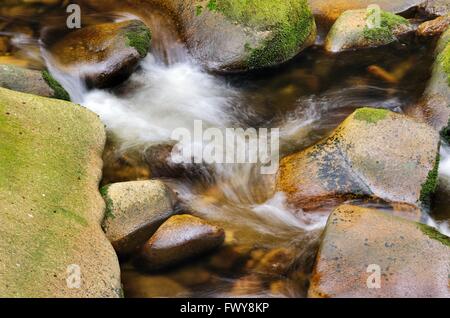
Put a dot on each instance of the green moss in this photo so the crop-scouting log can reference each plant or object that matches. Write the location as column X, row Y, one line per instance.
column 371, row 115
column 291, row 23
column 212, row 5
column 58, row 91
column 109, row 214
column 384, row 33
column 431, row 184
column 198, row 10
column 139, row 37
column 433, row 234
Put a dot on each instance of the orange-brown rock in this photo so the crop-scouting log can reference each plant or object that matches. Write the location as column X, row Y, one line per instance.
column 373, row 153
column 368, row 253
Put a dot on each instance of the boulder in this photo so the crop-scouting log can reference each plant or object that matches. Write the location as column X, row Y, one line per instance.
column 30, row 81
column 367, row 253
column 331, row 10
column 235, row 35
column 104, row 54
column 434, row 27
column 134, row 211
column 351, row 31
column 434, row 107
column 373, row 153
column 179, row 238
column 50, row 206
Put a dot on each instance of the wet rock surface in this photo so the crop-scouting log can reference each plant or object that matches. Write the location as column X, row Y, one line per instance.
column 369, row 154
column 413, row 259
column 231, row 35
column 134, row 211
column 434, row 27
column 105, row 54
column 180, row 238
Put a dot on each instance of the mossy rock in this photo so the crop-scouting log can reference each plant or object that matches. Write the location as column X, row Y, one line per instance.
column 30, row 81
column 134, row 211
column 104, row 54
column 373, row 153
column 50, row 206
column 413, row 259
column 351, row 31
column 235, row 35
column 434, row 107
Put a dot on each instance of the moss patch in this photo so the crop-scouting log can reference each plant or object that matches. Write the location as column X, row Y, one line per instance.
column 58, row 91
column 291, row 23
column 371, row 115
column 433, row 234
column 139, row 37
column 385, row 33
column 431, row 184
column 109, row 203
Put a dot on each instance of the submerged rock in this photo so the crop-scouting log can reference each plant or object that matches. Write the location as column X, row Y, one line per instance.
column 413, row 259
column 434, row 27
column 138, row 285
column 235, row 35
column 30, row 81
column 105, row 54
column 134, row 211
column 351, row 31
column 180, row 238
column 373, row 153
column 434, row 107
column 50, row 207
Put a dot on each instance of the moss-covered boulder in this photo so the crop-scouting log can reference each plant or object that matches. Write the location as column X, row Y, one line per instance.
column 235, row 35
column 434, row 27
column 50, row 206
column 411, row 259
column 134, row 211
column 373, row 153
column 30, row 81
column 181, row 237
column 434, row 107
column 351, row 31
column 105, row 54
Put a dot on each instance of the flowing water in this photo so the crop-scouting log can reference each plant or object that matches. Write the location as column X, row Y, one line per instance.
column 306, row 98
